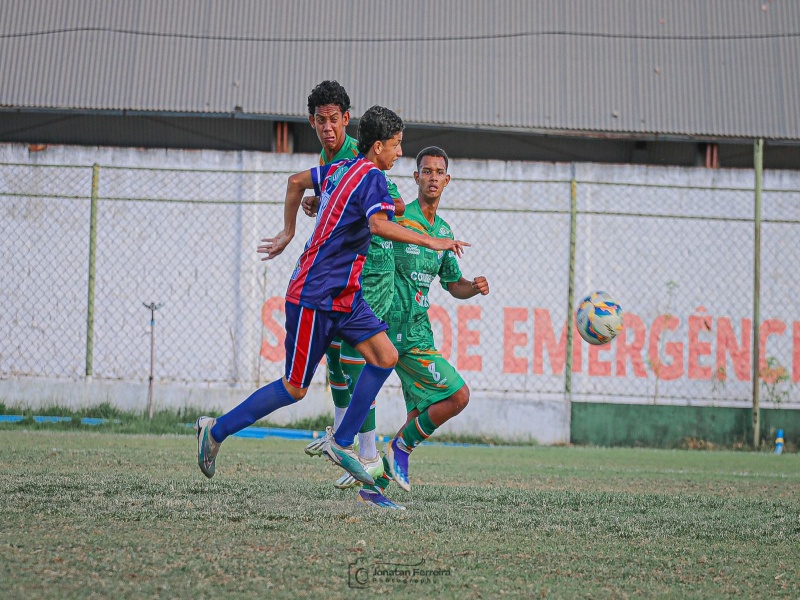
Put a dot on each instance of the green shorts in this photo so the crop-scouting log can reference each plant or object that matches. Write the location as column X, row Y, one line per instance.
column 427, row 378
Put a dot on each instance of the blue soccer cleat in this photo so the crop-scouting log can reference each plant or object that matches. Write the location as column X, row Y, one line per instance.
column 376, row 500
column 398, row 463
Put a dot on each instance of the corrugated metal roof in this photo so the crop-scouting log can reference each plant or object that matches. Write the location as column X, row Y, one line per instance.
column 711, row 68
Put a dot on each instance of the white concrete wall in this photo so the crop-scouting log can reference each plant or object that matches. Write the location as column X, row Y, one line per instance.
column 194, row 251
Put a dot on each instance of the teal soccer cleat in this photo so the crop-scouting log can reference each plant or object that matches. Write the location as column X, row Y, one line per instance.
column 374, row 467
column 207, row 448
column 348, row 460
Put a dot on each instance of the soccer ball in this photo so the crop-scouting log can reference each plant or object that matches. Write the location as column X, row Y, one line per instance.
column 599, row 318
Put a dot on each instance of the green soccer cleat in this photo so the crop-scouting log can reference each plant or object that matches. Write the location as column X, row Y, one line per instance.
column 348, row 460
column 207, row 448
column 374, row 467
column 376, row 500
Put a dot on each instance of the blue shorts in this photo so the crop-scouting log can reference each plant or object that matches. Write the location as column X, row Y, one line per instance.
column 309, row 332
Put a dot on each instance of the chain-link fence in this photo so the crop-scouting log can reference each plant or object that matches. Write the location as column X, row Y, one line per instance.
column 85, row 248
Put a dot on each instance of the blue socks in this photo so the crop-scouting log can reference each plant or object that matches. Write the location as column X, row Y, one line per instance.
column 273, row 396
column 258, row 405
column 367, row 387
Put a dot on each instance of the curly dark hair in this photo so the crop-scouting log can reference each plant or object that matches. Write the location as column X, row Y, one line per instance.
column 433, row 151
column 377, row 124
column 328, row 92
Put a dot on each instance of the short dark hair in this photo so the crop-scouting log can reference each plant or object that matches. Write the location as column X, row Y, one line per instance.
column 377, row 124
column 433, row 151
column 328, row 92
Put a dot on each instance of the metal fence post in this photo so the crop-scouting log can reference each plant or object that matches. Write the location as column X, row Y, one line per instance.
column 758, row 159
column 152, row 307
column 92, row 271
column 573, row 234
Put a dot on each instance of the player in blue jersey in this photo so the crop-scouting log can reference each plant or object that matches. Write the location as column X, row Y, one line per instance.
column 324, row 295
column 329, row 114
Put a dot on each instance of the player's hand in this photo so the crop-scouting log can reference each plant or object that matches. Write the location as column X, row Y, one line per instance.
column 272, row 247
column 310, row 205
column 457, row 246
column 480, row 285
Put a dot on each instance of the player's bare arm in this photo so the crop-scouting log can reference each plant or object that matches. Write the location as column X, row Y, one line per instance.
column 465, row 288
column 399, row 207
column 295, row 188
column 381, row 226
column 310, row 205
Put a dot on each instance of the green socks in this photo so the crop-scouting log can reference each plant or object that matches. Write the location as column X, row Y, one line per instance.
column 382, row 482
column 336, row 378
column 417, row 431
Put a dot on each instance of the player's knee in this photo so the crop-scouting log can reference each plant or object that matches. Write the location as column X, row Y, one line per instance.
column 461, row 398
column 298, row 393
column 295, row 392
column 388, row 358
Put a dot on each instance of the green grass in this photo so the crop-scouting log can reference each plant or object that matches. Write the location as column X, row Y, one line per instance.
column 104, row 515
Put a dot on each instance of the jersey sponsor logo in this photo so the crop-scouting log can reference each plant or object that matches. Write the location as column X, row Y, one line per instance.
column 412, row 249
column 444, row 232
column 333, row 178
column 440, row 255
column 386, row 244
column 422, row 277
column 422, row 300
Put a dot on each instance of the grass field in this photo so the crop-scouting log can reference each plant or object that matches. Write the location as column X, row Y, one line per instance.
column 127, row 516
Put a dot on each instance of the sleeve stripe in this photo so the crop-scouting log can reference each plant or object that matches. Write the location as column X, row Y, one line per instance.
column 379, row 207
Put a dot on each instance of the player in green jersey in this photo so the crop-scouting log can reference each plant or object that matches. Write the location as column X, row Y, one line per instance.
column 329, row 115
column 433, row 390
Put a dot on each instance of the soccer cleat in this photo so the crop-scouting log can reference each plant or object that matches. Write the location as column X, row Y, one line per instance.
column 398, row 463
column 376, row 500
column 346, row 482
column 374, row 467
column 347, row 459
column 315, row 447
column 207, row 448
